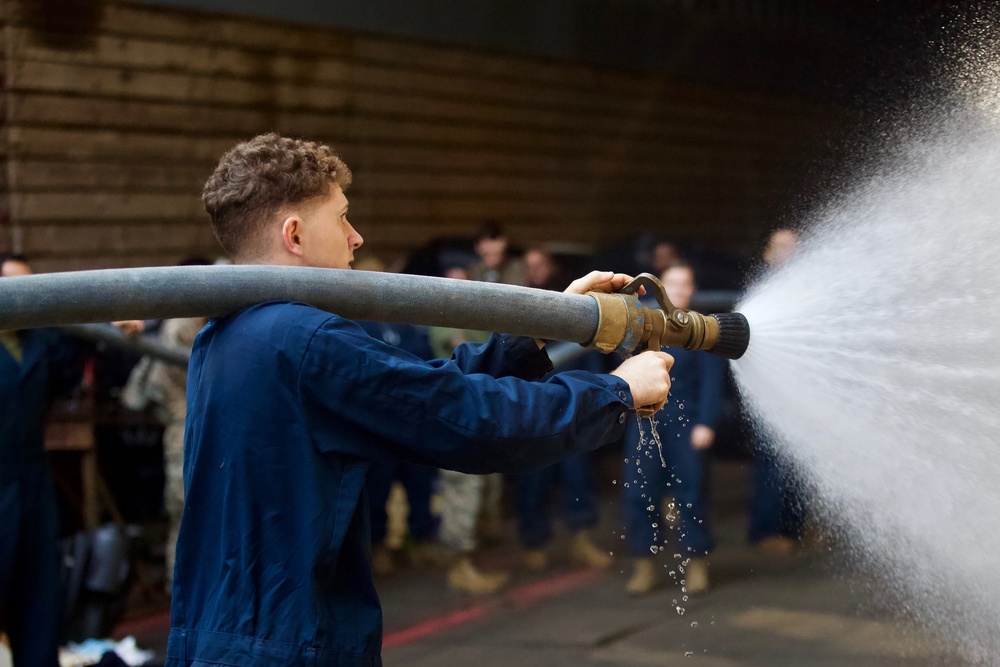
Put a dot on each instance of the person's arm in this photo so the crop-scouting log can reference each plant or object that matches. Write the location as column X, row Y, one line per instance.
column 712, row 371
column 438, row 415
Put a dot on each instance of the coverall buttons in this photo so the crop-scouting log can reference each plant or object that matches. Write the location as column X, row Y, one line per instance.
column 621, row 418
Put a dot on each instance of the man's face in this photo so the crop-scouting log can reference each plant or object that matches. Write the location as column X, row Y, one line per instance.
column 678, row 283
column 328, row 239
column 14, row 267
column 781, row 247
column 537, row 267
column 492, row 251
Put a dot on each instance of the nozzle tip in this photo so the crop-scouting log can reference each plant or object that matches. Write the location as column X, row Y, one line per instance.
column 734, row 335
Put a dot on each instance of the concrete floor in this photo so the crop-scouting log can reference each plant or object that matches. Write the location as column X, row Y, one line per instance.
column 762, row 610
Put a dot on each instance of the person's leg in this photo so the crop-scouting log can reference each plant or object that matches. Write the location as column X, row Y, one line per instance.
column 534, row 522
column 793, row 503
column 35, row 615
column 766, row 496
column 491, row 512
column 379, row 479
column 173, row 489
column 579, row 492
column 381, row 475
column 690, row 491
column 689, row 484
column 10, row 520
column 461, row 497
column 418, row 480
column 580, row 509
column 643, row 488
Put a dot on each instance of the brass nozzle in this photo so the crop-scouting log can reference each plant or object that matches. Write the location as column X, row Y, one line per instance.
column 626, row 325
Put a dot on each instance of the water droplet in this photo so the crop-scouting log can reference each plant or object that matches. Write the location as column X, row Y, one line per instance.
column 694, row 624
column 680, row 611
column 652, row 549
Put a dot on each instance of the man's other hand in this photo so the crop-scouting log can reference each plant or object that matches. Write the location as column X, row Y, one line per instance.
column 702, row 437
column 648, row 378
column 130, row 328
column 600, row 281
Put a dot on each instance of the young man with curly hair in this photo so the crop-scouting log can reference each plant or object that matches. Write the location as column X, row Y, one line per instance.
column 288, row 404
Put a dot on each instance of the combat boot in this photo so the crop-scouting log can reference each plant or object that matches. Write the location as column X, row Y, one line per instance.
column 383, row 561
column 696, row 576
column 535, row 560
column 582, row 550
column 463, row 576
column 643, row 579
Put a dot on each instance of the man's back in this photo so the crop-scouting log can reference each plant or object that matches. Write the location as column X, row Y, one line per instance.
column 276, row 523
column 286, row 406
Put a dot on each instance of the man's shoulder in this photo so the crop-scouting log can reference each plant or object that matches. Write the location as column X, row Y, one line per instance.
column 275, row 324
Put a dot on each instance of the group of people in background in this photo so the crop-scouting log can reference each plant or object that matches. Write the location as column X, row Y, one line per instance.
column 665, row 500
column 450, row 513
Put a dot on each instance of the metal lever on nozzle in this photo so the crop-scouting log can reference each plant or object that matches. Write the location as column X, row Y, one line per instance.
column 627, row 325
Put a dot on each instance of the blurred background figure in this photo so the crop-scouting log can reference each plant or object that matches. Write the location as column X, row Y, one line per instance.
column 777, row 511
column 679, row 480
column 495, row 264
column 165, row 386
column 542, row 271
column 665, row 255
column 534, row 489
column 30, row 596
column 462, row 494
column 416, row 481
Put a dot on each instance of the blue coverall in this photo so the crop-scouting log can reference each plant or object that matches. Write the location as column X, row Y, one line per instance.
column 287, row 405
column 695, row 399
column 30, row 596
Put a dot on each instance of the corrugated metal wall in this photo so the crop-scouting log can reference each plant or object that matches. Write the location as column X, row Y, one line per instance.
column 114, row 116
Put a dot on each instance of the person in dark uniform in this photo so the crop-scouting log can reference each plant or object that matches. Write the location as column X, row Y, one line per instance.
column 677, row 467
column 30, row 598
column 288, row 405
column 30, row 594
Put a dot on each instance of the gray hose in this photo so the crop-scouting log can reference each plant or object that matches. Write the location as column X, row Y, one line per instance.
column 59, row 299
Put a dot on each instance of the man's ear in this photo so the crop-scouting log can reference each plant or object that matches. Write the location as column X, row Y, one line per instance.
column 291, row 233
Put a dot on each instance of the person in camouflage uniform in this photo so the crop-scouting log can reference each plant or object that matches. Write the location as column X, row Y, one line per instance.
column 164, row 385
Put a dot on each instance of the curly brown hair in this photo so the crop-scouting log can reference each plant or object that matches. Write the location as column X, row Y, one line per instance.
column 257, row 179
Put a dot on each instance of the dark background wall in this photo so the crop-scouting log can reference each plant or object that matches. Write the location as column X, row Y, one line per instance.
column 570, row 121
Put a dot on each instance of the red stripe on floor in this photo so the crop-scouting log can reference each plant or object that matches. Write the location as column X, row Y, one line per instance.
column 533, row 593
column 142, row 625
column 521, row 596
column 436, row 625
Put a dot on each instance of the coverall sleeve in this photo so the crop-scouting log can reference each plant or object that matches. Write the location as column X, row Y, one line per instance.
column 713, row 373
column 365, row 398
column 502, row 356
